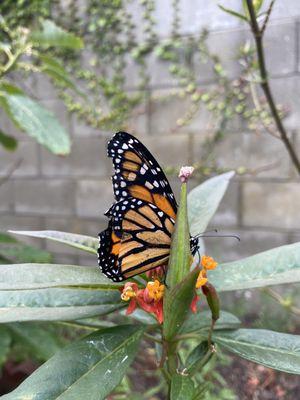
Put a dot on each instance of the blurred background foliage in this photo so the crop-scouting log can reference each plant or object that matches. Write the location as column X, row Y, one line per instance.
column 87, row 54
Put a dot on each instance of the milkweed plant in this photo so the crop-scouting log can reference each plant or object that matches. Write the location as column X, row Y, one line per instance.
column 156, row 318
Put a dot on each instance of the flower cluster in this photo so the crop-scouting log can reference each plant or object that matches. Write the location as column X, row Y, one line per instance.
column 150, row 299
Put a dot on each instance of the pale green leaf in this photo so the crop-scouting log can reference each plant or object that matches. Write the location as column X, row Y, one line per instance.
column 31, row 276
column 53, row 35
column 81, row 242
column 202, row 321
column 56, row 304
column 272, row 267
column 276, row 350
column 34, row 119
column 90, row 368
column 204, row 200
column 233, row 13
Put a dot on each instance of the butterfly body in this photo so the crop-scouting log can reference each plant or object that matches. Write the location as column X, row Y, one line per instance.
column 141, row 221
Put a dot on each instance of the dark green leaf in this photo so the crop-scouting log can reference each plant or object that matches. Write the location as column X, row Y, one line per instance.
column 5, row 342
column 8, row 142
column 276, row 350
column 82, row 242
column 202, row 321
column 53, row 35
column 34, row 119
column 42, row 341
column 198, row 357
column 177, row 304
column 204, row 200
column 182, row 388
column 19, row 252
column 272, row 267
column 90, row 368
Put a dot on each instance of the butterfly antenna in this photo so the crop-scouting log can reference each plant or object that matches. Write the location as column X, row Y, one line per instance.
column 203, row 233
column 223, row 236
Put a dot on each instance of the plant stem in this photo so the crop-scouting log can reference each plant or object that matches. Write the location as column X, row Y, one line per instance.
column 264, row 82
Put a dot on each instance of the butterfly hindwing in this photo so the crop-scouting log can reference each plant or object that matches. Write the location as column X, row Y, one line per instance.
column 140, row 233
column 138, row 175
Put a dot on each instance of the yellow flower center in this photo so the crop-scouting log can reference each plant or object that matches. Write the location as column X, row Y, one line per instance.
column 128, row 293
column 202, row 279
column 208, row 262
column 155, row 290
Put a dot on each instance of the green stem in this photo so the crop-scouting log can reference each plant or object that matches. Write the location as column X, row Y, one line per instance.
column 264, row 83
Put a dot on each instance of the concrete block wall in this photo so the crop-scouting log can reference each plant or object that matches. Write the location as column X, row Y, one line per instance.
column 71, row 193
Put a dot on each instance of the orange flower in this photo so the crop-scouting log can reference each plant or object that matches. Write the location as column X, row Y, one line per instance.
column 150, row 299
column 202, row 279
column 208, row 262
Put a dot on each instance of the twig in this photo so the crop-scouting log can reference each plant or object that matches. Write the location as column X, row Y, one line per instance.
column 267, row 16
column 11, row 170
column 258, row 36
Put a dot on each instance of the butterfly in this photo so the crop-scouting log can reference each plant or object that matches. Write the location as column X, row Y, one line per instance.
column 141, row 221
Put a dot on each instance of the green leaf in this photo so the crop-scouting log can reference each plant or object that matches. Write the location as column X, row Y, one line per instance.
column 198, row 357
column 180, row 254
column 43, row 342
column 19, row 252
column 56, row 71
column 272, row 267
column 8, row 142
column 5, row 343
column 233, row 13
column 202, row 321
column 31, row 276
column 82, row 242
column 275, row 350
column 204, row 200
column 182, row 388
column 177, row 303
column 56, row 304
column 53, row 35
column 90, row 368
column 34, row 119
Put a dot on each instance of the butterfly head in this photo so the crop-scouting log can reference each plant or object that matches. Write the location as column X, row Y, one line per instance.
column 194, row 243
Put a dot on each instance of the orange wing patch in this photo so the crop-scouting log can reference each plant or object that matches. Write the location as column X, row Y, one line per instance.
column 130, row 166
column 116, row 244
column 169, row 226
column 158, row 238
column 150, row 214
column 163, row 203
column 136, row 217
column 135, row 259
column 129, row 155
column 141, row 193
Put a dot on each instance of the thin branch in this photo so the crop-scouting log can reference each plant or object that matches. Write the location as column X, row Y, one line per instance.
column 258, row 36
column 11, row 170
column 267, row 16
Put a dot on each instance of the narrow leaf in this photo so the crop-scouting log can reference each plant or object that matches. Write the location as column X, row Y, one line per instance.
column 53, row 35
column 31, row 276
column 204, row 200
column 81, row 242
column 42, row 341
column 56, row 304
column 34, row 119
column 275, row 350
column 202, row 321
column 233, row 13
column 182, row 388
column 90, row 368
column 272, row 267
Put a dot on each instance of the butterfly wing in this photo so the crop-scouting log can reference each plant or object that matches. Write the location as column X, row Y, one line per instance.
column 138, row 175
column 137, row 239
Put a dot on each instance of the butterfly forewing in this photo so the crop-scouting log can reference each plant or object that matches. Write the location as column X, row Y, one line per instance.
column 138, row 175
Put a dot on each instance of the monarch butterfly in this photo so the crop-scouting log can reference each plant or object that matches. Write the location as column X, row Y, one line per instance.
column 141, row 220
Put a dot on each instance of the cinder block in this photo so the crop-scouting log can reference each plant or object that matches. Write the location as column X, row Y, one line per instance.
column 169, row 150
column 93, row 197
column 15, row 222
column 24, row 160
column 252, row 242
column 88, row 158
column 43, row 87
column 58, row 108
column 53, row 197
column 80, row 128
column 261, row 154
column 270, row 204
column 138, row 123
column 6, row 196
column 228, row 210
column 285, row 91
column 280, row 44
column 89, row 261
column 65, row 259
